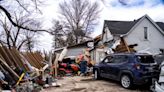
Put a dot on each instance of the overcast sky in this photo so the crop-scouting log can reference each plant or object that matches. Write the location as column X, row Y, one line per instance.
column 111, row 10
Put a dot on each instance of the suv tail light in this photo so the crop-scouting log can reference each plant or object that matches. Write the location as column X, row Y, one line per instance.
column 137, row 66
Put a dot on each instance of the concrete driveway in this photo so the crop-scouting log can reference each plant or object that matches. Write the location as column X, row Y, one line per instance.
column 88, row 84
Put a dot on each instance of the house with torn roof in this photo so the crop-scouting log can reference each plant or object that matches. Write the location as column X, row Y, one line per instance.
column 144, row 34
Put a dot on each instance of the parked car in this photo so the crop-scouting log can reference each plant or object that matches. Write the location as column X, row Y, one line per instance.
column 129, row 69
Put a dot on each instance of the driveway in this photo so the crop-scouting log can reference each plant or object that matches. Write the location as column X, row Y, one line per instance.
column 88, row 84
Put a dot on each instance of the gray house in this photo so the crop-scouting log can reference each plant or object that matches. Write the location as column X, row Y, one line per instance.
column 75, row 49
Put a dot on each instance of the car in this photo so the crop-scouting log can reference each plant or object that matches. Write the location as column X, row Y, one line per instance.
column 127, row 68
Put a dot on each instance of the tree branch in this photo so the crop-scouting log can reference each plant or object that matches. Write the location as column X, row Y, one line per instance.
column 20, row 45
column 22, row 6
column 19, row 26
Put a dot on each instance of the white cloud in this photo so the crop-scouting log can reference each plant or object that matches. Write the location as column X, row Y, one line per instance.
column 45, row 42
column 50, row 12
column 111, row 12
column 133, row 3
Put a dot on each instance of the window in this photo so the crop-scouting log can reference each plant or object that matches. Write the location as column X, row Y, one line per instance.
column 120, row 59
column 145, row 58
column 116, row 59
column 145, row 33
column 109, row 59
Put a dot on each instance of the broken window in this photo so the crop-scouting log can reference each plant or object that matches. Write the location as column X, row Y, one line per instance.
column 116, row 59
column 146, row 58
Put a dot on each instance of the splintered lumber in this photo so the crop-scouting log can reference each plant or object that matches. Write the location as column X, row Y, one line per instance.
column 17, row 60
column 125, row 44
column 123, row 47
column 2, row 61
column 25, row 60
column 29, row 60
column 56, row 64
column 35, row 59
column 40, row 58
column 5, row 56
column 10, row 55
column 23, row 64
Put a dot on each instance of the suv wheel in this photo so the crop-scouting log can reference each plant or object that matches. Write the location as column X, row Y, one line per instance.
column 96, row 75
column 126, row 81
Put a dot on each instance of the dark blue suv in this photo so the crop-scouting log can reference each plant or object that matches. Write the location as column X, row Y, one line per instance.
column 129, row 69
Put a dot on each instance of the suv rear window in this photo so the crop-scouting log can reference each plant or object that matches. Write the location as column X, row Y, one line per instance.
column 145, row 58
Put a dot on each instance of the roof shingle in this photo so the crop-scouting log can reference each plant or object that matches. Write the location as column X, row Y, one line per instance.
column 161, row 25
column 123, row 27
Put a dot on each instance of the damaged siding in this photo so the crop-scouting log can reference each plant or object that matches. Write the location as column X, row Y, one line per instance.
column 107, row 36
column 154, row 41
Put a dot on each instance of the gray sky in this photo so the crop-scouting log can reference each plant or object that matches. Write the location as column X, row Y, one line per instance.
column 111, row 10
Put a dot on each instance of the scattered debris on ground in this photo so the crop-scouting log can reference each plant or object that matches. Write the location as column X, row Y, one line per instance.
column 88, row 84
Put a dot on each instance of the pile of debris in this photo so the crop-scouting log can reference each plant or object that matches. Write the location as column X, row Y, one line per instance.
column 123, row 47
column 26, row 71
column 72, row 65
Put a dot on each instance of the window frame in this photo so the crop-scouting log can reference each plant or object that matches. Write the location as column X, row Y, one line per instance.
column 114, row 57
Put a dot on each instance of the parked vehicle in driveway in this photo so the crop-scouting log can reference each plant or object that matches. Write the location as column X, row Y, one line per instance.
column 128, row 68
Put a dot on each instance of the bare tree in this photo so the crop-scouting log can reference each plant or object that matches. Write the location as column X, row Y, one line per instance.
column 59, row 35
column 8, row 6
column 31, row 40
column 79, row 18
column 15, row 37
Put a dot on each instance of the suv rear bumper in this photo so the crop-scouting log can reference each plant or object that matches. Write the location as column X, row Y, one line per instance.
column 145, row 79
column 142, row 81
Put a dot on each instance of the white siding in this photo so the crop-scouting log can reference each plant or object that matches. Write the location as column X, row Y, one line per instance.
column 155, row 37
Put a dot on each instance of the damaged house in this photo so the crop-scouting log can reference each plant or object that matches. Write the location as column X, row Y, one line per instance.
column 141, row 35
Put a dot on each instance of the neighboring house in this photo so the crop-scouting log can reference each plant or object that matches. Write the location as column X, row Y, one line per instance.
column 75, row 49
column 146, row 34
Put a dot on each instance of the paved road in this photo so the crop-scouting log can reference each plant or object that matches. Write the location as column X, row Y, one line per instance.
column 87, row 84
